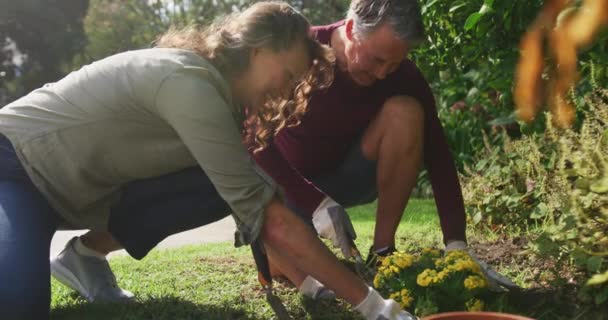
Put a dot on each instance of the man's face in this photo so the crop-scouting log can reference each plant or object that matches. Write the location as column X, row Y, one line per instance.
column 373, row 56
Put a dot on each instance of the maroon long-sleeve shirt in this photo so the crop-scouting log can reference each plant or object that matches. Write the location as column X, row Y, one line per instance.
column 335, row 119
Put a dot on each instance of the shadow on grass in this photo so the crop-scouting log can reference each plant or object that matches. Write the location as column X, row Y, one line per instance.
column 327, row 310
column 162, row 308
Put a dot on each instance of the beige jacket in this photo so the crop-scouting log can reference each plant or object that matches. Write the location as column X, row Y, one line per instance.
column 132, row 116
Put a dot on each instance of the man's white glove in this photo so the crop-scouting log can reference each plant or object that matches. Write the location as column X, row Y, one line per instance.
column 332, row 222
column 496, row 281
column 374, row 307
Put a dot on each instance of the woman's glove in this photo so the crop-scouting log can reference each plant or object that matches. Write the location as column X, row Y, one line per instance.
column 374, row 307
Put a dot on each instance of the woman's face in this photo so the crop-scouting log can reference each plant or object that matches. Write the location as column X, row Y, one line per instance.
column 272, row 73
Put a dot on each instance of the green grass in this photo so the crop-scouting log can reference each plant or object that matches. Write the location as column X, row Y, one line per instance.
column 217, row 281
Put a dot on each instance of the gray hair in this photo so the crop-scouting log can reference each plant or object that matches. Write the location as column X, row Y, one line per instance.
column 402, row 15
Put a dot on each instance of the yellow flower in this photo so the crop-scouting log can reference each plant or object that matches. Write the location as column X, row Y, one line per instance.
column 404, row 261
column 406, row 299
column 431, row 252
column 394, row 269
column 438, row 263
column 475, row 305
column 386, row 261
column 377, row 280
column 474, row 282
column 442, row 275
column 394, row 296
column 426, row 277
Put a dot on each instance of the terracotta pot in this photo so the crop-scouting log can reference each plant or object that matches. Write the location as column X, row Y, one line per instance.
column 475, row 316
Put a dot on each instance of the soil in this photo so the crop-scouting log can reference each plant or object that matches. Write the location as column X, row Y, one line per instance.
column 551, row 288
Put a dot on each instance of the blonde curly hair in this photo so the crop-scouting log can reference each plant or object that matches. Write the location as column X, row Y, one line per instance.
column 227, row 43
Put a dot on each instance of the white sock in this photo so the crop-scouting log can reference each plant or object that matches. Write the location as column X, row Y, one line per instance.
column 81, row 249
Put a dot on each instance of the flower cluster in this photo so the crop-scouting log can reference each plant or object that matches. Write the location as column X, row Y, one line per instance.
column 428, row 282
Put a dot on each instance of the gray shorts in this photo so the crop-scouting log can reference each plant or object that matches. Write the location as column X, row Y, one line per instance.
column 353, row 183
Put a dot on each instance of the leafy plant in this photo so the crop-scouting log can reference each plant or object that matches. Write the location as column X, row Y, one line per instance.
column 556, row 186
column 584, row 229
column 427, row 283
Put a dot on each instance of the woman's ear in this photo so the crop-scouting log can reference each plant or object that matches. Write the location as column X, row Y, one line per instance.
column 349, row 30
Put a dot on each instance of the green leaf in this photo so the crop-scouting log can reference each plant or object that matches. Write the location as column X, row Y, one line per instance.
column 481, row 164
column 579, row 257
column 600, row 186
column 427, row 6
column 472, row 21
column 594, row 264
column 501, row 121
column 477, row 217
column 604, row 137
column 540, row 211
column 485, row 9
column 456, row 7
column 602, row 296
column 598, row 279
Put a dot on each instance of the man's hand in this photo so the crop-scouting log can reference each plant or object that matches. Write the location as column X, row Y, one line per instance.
column 374, row 307
column 332, row 222
column 496, row 281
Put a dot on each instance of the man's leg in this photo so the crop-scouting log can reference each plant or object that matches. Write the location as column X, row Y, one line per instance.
column 394, row 140
column 384, row 164
column 149, row 211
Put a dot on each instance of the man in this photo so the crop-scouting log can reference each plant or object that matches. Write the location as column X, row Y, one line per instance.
column 364, row 137
column 367, row 136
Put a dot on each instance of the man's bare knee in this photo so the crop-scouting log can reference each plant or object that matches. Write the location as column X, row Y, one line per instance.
column 402, row 115
column 400, row 110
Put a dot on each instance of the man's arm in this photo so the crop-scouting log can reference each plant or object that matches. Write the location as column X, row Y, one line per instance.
column 440, row 164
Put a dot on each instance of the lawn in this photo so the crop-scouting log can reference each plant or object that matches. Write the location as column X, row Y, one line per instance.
column 217, row 281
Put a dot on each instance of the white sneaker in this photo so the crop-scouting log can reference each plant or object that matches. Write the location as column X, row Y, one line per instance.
column 90, row 276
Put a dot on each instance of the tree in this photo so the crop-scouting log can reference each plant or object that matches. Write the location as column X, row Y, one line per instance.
column 37, row 39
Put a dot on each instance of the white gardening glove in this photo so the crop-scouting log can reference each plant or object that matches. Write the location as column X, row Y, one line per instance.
column 332, row 222
column 496, row 281
column 374, row 307
column 314, row 289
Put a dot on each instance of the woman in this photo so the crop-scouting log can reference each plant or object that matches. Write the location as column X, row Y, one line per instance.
column 71, row 148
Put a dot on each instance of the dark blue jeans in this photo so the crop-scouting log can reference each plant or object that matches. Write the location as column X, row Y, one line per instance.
column 27, row 224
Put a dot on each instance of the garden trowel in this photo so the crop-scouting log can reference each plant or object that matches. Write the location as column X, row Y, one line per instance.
column 261, row 261
column 363, row 270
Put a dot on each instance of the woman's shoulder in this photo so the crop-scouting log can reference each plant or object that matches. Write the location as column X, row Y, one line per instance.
column 173, row 64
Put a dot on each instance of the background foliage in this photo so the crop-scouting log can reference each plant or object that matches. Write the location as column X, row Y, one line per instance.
column 469, row 57
column 552, row 188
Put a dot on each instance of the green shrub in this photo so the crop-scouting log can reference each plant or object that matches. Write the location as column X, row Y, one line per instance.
column 583, row 231
column 556, row 182
column 514, row 185
column 469, row 59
